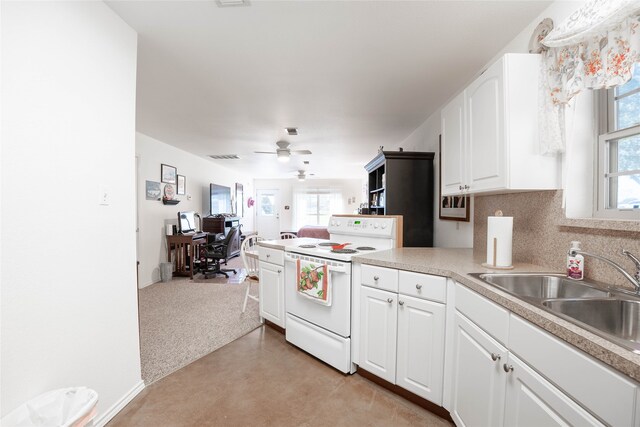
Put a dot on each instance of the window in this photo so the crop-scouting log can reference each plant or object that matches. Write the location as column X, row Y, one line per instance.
column 619, row 151
column 315, row 206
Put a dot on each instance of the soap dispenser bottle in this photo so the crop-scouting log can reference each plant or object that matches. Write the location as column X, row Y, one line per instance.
column 575, row 263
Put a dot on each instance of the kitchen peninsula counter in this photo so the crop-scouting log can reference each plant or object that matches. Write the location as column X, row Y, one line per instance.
column 458, row 263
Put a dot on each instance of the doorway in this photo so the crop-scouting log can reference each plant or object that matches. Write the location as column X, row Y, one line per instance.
column 268, row 213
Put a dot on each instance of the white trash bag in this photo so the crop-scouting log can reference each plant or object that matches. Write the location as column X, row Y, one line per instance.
column 65, row 407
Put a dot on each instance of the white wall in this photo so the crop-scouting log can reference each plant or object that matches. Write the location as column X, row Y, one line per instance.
column 153, row 215
column 69, row 299
column 425, row 137
column 350, row 188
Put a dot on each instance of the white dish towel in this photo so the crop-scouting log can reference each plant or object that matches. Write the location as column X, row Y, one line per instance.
column 313, row 280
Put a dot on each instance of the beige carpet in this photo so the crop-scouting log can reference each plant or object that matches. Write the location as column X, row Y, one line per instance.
column 183, row 320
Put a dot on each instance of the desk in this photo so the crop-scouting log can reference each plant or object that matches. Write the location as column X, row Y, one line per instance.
column 185, row 246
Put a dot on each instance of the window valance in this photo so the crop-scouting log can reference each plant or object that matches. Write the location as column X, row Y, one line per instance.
column 595, row 48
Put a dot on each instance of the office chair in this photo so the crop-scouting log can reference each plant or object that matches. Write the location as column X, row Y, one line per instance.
column 217, row 251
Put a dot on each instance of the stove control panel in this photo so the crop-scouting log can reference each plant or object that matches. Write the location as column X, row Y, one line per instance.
column 365, row 226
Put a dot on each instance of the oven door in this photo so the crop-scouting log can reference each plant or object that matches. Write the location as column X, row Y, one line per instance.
column 335, row 318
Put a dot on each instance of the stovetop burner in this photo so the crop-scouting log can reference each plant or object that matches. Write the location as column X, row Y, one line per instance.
column 366, row 248
column 327, row 244
column 307, row 246
column 344, row 251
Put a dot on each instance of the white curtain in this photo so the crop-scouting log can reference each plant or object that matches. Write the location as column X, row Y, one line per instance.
column 595, row 48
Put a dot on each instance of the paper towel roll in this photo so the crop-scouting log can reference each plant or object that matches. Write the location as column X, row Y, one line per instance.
column 499, row 240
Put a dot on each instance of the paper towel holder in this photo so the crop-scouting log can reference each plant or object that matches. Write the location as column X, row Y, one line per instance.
column 495, row 251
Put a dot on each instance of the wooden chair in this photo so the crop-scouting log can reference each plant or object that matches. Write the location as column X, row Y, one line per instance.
column 284, row 236
column 249, row 254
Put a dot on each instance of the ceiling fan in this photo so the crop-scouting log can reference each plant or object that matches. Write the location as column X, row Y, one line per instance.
column 302, row 175
column 283, row 151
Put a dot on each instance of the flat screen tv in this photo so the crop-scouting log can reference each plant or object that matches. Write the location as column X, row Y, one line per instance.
column 219, row 199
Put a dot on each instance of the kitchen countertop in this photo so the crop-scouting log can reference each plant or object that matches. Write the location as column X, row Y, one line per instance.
column 457, row 263
column 282, row 244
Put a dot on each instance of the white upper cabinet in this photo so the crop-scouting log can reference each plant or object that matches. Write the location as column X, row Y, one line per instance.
column 490, row 133
column 453, row 161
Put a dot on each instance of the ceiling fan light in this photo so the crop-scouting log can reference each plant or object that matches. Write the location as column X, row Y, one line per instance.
column 283, row 156
column 301, row 177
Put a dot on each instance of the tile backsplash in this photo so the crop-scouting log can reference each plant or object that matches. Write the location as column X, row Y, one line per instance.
column 538, row 239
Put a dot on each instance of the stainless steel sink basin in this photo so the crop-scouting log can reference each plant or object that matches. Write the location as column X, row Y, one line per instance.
column 605, row 312
column 541, row 286
column 617, row 317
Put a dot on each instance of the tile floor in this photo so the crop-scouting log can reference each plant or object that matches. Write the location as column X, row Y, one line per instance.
column 261, row 380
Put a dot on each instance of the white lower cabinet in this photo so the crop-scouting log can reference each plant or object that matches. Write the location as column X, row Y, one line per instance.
column 420, row 354
column 533, row 401
column 402, row 341
column 378, row 326
column 495, row 388
column 478, row 380
column 272, row 293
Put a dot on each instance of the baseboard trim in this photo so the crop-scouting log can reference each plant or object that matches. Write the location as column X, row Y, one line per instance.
column 414, row 398
column 119, row 405
column 274, row 326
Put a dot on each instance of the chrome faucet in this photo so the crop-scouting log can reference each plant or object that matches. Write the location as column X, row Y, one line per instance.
column 635, row 279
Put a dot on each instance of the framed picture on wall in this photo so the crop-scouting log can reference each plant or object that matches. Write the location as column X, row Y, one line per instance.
column 182, row 185
column 152, row 190
column 451, row 208
column 239, row 200
column 168, row 174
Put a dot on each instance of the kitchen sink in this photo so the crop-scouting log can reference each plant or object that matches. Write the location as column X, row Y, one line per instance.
column 617, row 317
column 531, row 286
column 605, row 312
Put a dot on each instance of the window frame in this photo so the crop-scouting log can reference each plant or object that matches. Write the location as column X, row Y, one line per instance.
column 606, row 118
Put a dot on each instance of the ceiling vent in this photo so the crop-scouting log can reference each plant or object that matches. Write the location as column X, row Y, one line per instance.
column 224, row 156
column 291, row 131
column 230, row 3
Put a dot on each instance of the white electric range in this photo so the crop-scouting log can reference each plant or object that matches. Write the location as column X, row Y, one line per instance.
column 325, row 331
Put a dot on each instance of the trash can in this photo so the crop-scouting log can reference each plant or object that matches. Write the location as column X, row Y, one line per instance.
column 166, row 271
column 65, row 407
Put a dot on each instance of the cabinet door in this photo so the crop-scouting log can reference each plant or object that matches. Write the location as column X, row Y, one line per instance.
column 485, row 124
column 453, row 149
column 533, row 401
column 272, row 293
column 479, row 382
column 420, row 364
column 378, row 325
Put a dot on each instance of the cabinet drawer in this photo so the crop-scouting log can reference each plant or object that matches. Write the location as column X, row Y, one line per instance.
column 424, row 286
column 492, row 318
column 380, row 277
column 274, row 256
column 607, row 394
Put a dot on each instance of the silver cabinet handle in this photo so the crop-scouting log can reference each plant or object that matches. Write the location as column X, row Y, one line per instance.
column 389, row 300
column 466, row 187
column 495, row 357
column 279, row 271
column 375, row 278
column 401, row 302
column 418, row 286
column 507, row 368
column 460, row 187
column 268, row 255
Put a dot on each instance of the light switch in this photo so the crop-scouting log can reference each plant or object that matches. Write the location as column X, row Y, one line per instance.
column 104, row 195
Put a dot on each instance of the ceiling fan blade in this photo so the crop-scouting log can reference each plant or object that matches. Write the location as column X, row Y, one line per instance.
column 301, row 152
column 265, row 152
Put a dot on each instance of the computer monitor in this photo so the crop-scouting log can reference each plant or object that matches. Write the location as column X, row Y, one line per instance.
column 187, row 222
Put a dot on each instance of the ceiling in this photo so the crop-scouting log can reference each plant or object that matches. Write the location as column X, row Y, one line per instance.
column 352, row 76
